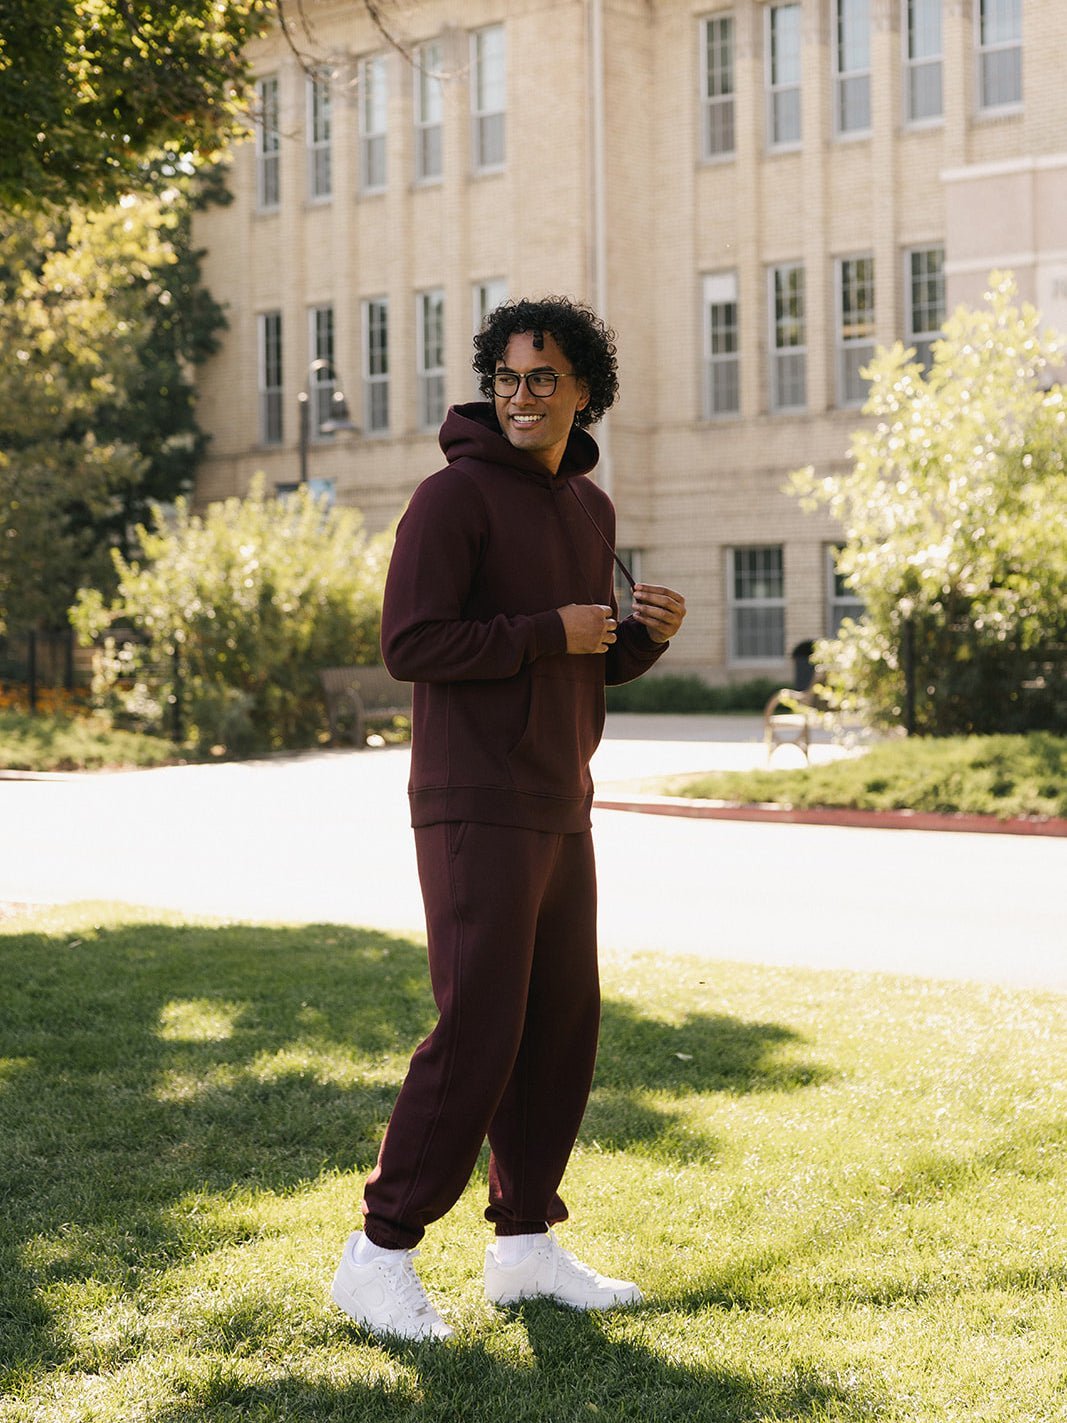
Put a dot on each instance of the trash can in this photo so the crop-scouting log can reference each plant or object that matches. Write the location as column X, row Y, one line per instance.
column 803, row 669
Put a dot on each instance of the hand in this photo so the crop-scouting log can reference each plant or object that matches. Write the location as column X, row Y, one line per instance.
column 590, row 627
column 659, row 610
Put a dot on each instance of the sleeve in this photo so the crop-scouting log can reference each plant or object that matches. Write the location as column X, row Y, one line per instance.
column 425, row 638
column 632, row 653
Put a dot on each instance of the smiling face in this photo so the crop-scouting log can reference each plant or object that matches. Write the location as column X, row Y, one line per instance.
column 541, row 425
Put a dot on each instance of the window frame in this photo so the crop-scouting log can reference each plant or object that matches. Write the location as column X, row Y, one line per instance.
column 482, row 114
column 984, row 50
column 839, row 602
column 779, row 353
column 270, row 363
column 912, row 63
column 756, row 603
column 374, row 316
column 322, row 337
column 373, row 109
column 319, row 108
column 428, row 111
column 923, row 339
column 776, row 89
column 843, row 76
column 716, row 362
column 430, row 378
column 845, row 347
column 723, row 101
column 268, row 143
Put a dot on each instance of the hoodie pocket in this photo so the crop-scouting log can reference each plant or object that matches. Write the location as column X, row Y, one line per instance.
column 563, row 727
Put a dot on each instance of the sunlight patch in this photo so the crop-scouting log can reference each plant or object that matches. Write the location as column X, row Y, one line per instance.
column 198, row 1020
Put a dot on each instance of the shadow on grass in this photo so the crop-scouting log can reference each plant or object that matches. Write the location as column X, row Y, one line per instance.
column 145, row 1061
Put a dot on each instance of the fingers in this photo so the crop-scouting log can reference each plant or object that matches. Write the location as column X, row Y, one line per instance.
column 660, row 610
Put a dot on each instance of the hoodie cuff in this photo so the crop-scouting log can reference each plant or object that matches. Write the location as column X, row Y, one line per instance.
column 549, row 634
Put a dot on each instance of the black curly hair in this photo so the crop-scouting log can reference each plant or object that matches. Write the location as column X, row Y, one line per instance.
column 583, row 338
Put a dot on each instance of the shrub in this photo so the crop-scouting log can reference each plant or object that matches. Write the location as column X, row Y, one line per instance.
column 234, row 614
column 678, row 692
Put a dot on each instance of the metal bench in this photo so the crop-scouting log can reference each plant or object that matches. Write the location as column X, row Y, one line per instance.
column 792, row 726
column 358, row 695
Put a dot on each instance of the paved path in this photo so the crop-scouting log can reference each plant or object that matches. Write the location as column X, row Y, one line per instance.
column 325, row 837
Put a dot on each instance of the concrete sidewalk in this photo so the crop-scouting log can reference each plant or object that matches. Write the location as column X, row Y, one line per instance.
column 325, row 837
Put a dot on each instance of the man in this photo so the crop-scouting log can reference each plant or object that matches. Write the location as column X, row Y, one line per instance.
column 499, row 606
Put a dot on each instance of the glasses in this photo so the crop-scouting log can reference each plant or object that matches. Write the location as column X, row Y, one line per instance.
column 539, row 383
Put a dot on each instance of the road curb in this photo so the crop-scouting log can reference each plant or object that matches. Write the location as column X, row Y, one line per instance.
column 825, row 815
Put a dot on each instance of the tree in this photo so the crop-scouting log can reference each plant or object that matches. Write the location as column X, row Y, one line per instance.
column 91, row 89
column 102, row 320
column 953, row 511
column 235, row 612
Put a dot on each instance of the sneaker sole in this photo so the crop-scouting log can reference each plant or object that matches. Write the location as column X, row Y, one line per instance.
column 345, row 1303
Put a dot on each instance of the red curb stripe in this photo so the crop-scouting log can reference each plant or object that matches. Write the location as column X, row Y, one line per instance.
column 826, row 815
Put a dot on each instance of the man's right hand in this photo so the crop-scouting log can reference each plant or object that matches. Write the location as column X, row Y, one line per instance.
column 590, row 627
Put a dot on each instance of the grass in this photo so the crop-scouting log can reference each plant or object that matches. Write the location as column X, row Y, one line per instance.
column 845, row 1196
column 987, row 775
column 75, row 743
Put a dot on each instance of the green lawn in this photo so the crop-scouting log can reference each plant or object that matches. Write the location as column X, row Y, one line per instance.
column 985, row 775
column 845, row 1196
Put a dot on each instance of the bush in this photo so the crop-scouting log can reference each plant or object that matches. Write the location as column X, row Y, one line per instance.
column 234, row 614
column 681, row 693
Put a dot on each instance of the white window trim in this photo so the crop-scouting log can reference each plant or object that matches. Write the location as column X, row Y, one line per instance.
column 370, row 136
column 1013, row 106
column 265, row 391
column 846, row 135
column 912, row 337
column 791, row 145
column 322, row 382
column 479, row 115
column 373, row 380
column 733, row 603
column 711, row 361
column 909, row 65
column 777, row 407
column 429, row 58
column 425, row 374
column 837, row 606
column 725, row 155
column 268, row 154
column 841, row 343
column 319, row 146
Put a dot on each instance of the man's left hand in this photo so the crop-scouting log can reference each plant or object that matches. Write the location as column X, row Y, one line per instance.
column 659, row 610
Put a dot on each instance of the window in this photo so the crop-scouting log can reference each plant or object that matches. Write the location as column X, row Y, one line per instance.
column 717, row 86
column 323, row 380
column 270, row 378
column 841, row 601
column 430, row 345
column 756, row 600
column 722, row 364
column 925, row 293
column 487, row 297
column 268, row 143
column 376, row 365
column 320, row 176
column 922, row 61
column 1000, row 53
column 783, row 75
column 488, row 96
column 788, row 338
column 429, row 161
column 373, row 110
column 852, row 66
column 855, row 327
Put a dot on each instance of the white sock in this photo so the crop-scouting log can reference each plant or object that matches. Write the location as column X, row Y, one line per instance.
column 365, row 1250
column 510, row 1249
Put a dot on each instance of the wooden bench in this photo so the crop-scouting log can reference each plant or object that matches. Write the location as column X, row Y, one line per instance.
column 358, row 695
column 792, row 726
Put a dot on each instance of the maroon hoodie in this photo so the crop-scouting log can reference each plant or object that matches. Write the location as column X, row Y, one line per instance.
column 504, row 719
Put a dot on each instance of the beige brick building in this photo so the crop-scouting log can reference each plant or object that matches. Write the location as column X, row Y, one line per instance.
column 755, row 194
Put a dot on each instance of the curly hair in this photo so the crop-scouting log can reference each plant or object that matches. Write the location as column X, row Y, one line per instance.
column 583, row 338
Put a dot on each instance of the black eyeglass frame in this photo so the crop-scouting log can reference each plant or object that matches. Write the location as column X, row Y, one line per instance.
column 519, row 376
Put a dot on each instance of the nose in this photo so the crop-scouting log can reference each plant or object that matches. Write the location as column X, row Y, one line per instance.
column 522, row 396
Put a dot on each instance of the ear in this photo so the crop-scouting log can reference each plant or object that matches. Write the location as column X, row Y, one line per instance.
column 584, row 394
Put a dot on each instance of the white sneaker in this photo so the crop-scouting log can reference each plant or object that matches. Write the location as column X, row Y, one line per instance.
column 385, row 1295
column 551, row 1272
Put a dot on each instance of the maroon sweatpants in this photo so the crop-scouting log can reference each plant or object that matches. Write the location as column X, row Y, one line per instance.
column 511, row 928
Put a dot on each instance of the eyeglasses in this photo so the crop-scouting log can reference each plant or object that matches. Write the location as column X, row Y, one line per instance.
column 540, row 383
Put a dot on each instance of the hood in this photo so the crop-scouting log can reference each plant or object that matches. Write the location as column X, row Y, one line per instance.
column 473, row 432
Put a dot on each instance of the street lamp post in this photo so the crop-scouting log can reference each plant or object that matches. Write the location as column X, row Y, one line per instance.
column 337, row 420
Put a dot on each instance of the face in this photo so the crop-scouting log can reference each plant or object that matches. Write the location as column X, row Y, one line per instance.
column 540, row 424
